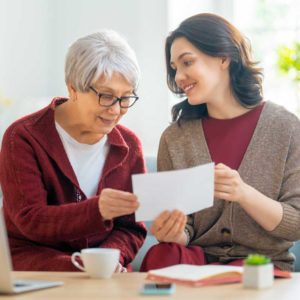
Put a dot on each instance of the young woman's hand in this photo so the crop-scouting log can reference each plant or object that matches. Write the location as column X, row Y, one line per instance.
column 114, row 203
column 229, row 185
column 169, row 227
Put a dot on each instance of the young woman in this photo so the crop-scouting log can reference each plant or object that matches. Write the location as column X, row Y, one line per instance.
column 254, row 144
column 65, row 170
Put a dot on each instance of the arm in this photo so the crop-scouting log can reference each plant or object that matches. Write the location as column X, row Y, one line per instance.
column 289, row 197
column 170, row 226
column 164, row 161
column 280, row 217
column 265, row 211
column 128, row 235
column 229, row 186
column 26, row 196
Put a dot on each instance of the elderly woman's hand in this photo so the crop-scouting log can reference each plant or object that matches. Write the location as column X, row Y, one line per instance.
column 114, row 203
column 169, row 227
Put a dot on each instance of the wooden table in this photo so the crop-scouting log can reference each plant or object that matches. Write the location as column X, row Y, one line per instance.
column 127, row 285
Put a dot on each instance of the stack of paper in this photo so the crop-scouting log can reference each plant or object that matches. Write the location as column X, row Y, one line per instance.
column 202, row 275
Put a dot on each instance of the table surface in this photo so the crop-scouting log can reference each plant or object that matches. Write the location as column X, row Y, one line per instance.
column 127, row 285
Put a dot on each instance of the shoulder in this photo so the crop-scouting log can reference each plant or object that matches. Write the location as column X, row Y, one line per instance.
column 128, row 135
column 278, row 111
column 24, row 125
column 182, row 131
column 128, row 139
column 280, row 118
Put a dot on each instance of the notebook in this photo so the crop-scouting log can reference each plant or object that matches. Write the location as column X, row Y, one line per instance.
column 202, row 275
column 7, row 284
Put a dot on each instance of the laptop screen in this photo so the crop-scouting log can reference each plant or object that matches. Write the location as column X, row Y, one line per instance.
column 5, row 258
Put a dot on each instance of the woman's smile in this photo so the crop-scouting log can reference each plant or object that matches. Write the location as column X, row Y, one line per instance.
column 107, row 121
column 188, row 88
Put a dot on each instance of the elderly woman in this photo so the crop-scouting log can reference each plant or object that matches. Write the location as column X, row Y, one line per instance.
column 66, row 170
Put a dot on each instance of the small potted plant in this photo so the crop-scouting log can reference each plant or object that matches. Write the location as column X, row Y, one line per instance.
column 258, row 272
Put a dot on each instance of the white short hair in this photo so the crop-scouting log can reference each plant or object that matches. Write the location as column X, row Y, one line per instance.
column 102, row 53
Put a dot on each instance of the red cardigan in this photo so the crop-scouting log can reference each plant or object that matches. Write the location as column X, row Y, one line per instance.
column 47, row 215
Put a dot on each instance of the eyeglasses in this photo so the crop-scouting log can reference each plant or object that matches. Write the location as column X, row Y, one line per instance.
column 108, row 100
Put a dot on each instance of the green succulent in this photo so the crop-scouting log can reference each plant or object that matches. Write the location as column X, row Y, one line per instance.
column 288, row 61
column 257, row 259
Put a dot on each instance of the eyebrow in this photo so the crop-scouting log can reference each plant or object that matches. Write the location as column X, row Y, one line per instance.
column 112, row 90
column 181, row 56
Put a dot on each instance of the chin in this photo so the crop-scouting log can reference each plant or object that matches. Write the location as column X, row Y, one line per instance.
column 103, row 131
column 192, row 101
column 106, row 130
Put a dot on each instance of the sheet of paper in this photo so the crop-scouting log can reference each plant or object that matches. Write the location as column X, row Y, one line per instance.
column 188, row 190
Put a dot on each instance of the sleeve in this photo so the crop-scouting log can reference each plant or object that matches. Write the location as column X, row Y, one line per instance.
column 25, row 197
column 289, row 197
column 164, row 163
column 128, row 235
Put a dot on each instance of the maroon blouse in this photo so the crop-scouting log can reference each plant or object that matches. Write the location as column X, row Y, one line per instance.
column 228, row 139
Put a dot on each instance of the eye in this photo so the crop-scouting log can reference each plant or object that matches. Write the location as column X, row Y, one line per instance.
column 188, row 63
column 107, row 97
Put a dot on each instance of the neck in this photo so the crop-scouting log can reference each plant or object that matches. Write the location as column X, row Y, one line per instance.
column 226, row 111
column 225, row 106
column 64, row 116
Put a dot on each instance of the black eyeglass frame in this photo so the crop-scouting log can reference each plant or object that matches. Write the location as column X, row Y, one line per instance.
column 117, row 99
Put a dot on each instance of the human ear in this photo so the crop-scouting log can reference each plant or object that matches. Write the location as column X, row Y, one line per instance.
column 225, row 62
column 72, row 92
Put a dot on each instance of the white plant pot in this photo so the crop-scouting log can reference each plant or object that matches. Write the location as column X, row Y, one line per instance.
column 258, row 277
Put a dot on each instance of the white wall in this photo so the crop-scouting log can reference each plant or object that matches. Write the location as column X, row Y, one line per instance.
column 178, row 10
column 35, row 35
column 25, row 39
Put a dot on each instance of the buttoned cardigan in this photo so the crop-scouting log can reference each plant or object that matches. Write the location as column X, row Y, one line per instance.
column 43, row 203
column 271, row 165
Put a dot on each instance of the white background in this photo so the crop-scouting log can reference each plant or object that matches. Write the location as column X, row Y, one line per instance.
column 35, row 35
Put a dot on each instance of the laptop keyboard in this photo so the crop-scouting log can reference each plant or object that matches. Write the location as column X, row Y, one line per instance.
column 21, row 284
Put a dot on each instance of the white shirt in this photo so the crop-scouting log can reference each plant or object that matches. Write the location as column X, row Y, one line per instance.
column 86, row 160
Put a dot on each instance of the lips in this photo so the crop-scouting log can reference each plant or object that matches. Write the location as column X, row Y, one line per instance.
column 107, row 121
column 187, row 88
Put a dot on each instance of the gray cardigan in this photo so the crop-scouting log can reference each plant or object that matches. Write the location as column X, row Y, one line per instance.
column 271, row 165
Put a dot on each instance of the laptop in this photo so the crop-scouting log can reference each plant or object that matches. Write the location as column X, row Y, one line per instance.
column 7, row 284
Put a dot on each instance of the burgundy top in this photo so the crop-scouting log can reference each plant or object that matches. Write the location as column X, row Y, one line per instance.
column 47, row 214
column 228, row 139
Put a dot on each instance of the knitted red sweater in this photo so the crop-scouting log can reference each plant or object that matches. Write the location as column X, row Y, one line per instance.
column 47, row 215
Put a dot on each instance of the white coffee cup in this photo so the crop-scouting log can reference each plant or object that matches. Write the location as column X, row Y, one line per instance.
column 97, row 262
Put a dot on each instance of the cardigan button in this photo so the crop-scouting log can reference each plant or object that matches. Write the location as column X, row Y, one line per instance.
column 226, row 246
column 225, row 232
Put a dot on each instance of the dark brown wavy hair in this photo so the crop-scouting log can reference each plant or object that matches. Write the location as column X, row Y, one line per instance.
column 215, row 36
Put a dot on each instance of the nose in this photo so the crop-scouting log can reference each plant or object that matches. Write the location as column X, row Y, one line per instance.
column 115, row 109
column 179, row 77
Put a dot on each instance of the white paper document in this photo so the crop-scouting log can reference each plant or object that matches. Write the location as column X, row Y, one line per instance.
column 188, row 190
